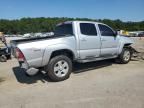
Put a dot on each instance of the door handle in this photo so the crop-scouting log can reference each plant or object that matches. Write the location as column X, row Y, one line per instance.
column 83, row 39
column 36, row 49
column 103, row 40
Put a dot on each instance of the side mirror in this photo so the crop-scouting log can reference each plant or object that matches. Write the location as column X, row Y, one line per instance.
column 115, row 33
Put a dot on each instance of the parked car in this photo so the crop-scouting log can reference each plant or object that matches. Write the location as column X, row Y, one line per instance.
column 137, row 34
column 141, row 34
column 74, row 41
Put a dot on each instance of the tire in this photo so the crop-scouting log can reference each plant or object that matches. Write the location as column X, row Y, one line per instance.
column 8, row 57
column 125, row 56
column 59, row 68
column 3, row 58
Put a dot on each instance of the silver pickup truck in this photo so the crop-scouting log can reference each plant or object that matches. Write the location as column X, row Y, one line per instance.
column 73, row 41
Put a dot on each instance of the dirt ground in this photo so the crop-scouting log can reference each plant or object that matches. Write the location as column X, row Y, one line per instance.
column 103, row 84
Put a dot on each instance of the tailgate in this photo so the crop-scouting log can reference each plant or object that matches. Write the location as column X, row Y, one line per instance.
column 13, row 47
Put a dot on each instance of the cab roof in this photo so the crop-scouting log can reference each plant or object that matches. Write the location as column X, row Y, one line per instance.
column 83, row 22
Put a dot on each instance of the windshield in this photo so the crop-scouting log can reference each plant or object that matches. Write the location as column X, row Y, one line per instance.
column 64, row 29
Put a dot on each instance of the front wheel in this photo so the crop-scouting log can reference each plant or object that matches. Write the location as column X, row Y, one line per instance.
column 59, row 68
column 125, row 56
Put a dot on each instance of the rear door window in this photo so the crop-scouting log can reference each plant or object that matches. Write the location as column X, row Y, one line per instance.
column 64, row 29
column 88, row 29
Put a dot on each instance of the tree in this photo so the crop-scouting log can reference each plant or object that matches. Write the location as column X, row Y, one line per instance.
column 29, row 25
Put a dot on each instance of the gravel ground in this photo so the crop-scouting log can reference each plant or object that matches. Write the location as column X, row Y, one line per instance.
column 95, row 85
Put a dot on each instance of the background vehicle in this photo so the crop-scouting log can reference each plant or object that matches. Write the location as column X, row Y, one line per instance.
column 74, row 41
column 137, row 33
column 5, row 54
column 141, row 34
column 5, row 51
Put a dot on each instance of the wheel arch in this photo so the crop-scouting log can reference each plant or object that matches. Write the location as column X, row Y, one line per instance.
column 126, row 45
column 66, row 52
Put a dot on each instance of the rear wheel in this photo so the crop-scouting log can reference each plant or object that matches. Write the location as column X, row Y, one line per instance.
column 125, row 56
column 59, row 68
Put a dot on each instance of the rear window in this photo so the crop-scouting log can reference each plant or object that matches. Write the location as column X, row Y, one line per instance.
column 64, row 29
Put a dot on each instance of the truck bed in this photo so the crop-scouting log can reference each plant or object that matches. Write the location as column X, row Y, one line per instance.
column 14, row 43
column 29, row 40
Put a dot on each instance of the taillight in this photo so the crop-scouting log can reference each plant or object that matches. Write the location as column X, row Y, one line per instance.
column 19, row 55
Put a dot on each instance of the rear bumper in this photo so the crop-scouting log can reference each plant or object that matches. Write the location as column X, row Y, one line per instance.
column 29, row 70
column 24, row 65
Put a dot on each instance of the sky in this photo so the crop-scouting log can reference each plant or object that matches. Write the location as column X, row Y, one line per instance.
column 125, row 10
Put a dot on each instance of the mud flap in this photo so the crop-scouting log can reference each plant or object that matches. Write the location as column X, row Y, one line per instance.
column 32, row 71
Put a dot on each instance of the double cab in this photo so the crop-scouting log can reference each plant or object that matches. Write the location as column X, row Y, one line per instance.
column 73, row 41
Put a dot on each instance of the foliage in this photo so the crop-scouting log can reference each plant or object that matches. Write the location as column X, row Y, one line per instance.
column 28, row 25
